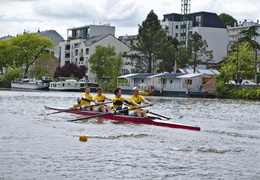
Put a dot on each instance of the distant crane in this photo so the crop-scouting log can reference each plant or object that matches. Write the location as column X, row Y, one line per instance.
column 185, row 12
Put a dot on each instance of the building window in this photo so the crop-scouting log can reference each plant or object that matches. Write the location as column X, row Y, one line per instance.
column 188, row 81
column 76, row 52
column 67, row 47
column 67, row 55
column 176, row 27
column 198, row 20
column 176, row 35
column 87, row 51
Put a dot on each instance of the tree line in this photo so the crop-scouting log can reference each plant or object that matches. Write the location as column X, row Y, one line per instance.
column 154, row 51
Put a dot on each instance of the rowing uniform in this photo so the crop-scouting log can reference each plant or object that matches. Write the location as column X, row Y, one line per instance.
column 117, row 102
column 86, row 102
column 101, row 98
column 138, row 100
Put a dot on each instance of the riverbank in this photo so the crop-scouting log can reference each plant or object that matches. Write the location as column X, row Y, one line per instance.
column 249, row 92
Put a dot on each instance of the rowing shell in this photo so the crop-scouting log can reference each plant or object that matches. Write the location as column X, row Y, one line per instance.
column 133, row 119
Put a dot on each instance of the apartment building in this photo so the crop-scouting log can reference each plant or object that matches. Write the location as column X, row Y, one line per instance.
column 235, row 32
column 208, row 25
column 82, row 42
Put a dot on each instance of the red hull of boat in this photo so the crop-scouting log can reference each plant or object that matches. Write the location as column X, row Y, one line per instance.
column 133, row 119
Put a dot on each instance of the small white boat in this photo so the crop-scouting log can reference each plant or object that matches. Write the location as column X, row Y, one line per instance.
column 29, row 84
column 65, row 85
column 84, row 83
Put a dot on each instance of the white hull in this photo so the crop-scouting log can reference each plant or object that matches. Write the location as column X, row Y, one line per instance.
column 28, row 85
column 68, row 85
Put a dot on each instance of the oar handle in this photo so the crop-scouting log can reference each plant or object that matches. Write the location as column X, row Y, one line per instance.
column 119, row 111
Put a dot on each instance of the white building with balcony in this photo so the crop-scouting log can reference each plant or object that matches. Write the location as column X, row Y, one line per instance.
column 82, row 42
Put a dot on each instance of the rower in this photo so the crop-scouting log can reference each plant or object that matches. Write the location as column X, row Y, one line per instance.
column 99, row 99
column 135, row 101
column 118, row 102
column 86, row 99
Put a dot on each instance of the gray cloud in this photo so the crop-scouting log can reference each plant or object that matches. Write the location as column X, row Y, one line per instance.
column 125, row 15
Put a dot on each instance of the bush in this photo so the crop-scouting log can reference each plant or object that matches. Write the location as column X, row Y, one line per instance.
column 226, row 91
column 10, row 75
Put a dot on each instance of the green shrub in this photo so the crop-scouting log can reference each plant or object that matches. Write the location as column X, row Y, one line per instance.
column 10, row 75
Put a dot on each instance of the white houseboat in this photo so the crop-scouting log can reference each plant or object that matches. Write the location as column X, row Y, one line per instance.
column 65, row 85
column 29, row 84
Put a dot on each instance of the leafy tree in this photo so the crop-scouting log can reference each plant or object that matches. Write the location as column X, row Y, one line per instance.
column 150, row 36
column 9, row 75
column 227, row 19
column 197, row 51
column 27, row 48
column 4, row 52
column 183, row 57
column 168, row 54
column 240, row 64
column 70, row 70
column 105, row 62
column 38, row 72
column 250, row 36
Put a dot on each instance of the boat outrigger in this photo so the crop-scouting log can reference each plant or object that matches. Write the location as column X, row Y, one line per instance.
column 125, row 118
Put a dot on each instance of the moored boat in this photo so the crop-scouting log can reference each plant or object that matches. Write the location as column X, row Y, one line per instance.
column 65, row 85
column 29, row 84
column 146, row 90
column 126, row 118
column 83, row 83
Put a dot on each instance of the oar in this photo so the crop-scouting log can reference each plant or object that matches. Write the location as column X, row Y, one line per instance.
column 159, row 115
column 81, row 107
column 103, row 114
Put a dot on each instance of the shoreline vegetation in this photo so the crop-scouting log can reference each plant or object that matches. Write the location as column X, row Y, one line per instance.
column 230, row 91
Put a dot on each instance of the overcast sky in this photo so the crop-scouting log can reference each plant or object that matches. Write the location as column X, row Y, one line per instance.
column 31, row 15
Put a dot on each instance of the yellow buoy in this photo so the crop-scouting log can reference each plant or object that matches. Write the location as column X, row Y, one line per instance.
column 188, row 108
column 83, row 138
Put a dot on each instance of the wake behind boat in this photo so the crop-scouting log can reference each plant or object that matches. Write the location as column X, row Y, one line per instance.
column 126, row 118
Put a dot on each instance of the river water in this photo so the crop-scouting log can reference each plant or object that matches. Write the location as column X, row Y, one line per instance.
column 33, row 146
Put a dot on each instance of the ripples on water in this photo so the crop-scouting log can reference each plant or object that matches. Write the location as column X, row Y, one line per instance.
column 35, row 147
